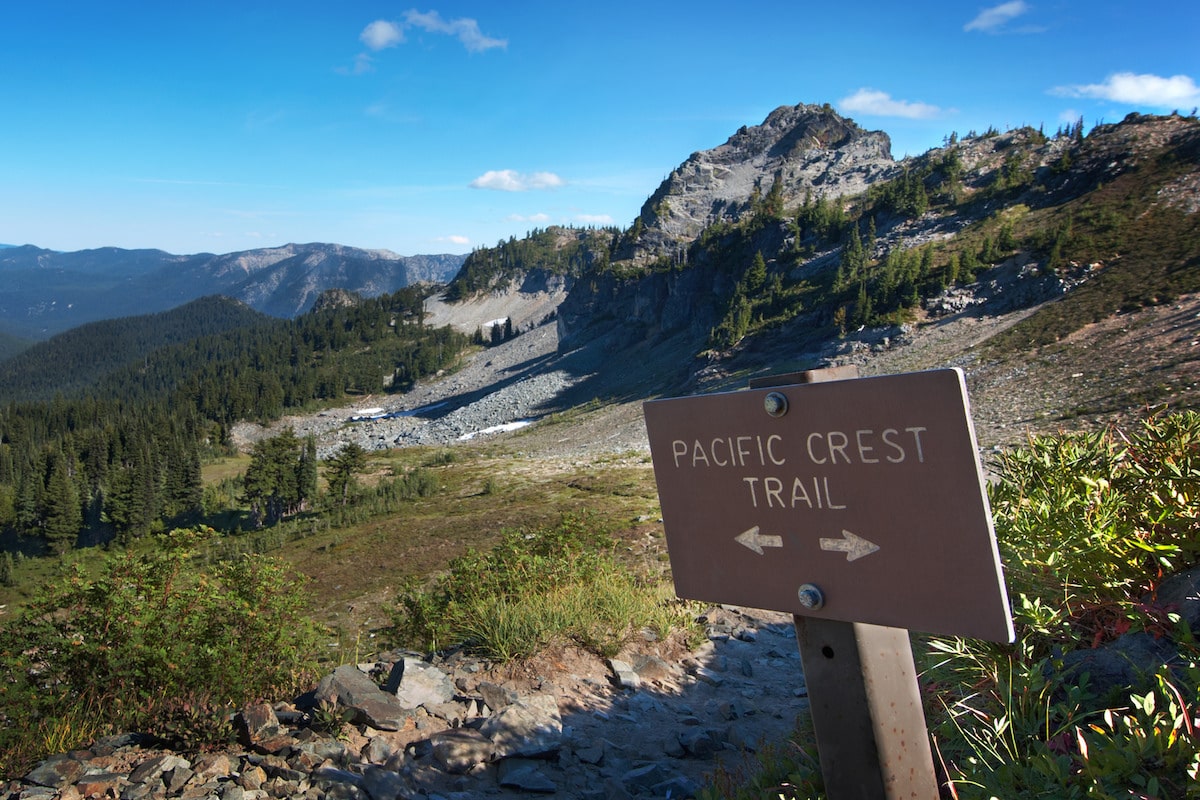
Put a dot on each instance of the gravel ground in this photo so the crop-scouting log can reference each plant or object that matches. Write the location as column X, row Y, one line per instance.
column 500, row 387
column 1107, row 373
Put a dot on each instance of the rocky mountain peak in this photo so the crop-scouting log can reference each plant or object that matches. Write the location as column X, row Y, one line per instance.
column 809, row 148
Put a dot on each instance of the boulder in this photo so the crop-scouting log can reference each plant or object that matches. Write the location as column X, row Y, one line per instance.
column 457, row 751
column 531, row 726
column 350, row 688
column 416, row 683
column 525, row 775
column 56, row 772
column 1181, row 593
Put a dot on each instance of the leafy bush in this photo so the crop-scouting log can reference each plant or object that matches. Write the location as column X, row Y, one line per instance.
column 150, row 643
column 532, row 588
column 1088, row 522
column 1088, row 525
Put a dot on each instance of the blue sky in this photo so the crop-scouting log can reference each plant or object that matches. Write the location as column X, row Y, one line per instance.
column 221, row 126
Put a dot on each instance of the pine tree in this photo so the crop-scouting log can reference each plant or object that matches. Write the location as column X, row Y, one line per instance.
column 862, row 306
column 756, row 275
column 64, row 512
column 343, row 470
column 773, row 203
column 272, row 481
column 853, row 261
column 1007, row 242
column 307, row 476
column 987, row 252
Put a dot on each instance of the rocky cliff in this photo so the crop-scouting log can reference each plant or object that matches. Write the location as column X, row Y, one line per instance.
column 850, row 238
column 797, row 150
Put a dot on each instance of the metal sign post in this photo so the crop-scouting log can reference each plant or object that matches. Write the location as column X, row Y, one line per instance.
column 857, row 505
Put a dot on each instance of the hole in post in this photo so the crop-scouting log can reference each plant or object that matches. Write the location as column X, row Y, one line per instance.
column 827, row 651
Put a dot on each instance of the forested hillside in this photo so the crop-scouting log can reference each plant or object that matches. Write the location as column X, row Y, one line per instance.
column 567, row 252
column 123, row 454
column 1104, row 221
column 74, row 361
column 12, row 345
column 1109, row 209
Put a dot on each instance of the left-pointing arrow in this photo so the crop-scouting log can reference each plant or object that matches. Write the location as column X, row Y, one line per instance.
column 756, row 541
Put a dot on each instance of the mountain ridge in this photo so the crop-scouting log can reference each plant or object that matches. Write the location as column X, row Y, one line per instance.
column 1049, row 234
column 46, row 292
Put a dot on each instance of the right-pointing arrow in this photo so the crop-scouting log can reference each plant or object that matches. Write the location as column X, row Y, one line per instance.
column 756, row 541
column 853, row 546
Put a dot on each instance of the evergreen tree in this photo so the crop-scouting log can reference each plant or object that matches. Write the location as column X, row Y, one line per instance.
column 63, row 510
column 272, row 481
column 182, row 483
column 308, row 469
column 987, row 253
column 853, row 262
column 133, row 502
column 862, row 306
column 773, row 203
column 756, row 275
column 343, row 471
column 30, row 492
column 969, row 264
column 1007, row 242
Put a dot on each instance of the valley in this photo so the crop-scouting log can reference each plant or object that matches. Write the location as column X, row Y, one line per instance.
column 377, row 455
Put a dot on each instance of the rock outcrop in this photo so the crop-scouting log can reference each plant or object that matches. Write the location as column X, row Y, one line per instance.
column 805, row 148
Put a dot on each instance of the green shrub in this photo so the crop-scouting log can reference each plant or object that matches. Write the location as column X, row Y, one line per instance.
column 151, row 643
column 533, row 588
column 1088, row 525
column 1091, row 522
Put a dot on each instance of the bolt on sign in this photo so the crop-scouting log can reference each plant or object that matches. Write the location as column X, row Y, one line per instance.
column 856, row 500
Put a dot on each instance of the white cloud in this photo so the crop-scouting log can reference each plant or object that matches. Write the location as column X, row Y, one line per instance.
column 454, row 239
column 466, row 30
column 876, row 103
column 594, row 219
column 381, row 34
column 1150, row 90
column 508, row 180
column 993, row 20
column 362, row 64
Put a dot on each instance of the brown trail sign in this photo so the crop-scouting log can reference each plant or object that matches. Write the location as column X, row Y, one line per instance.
column 867, row 491
column 858, row 505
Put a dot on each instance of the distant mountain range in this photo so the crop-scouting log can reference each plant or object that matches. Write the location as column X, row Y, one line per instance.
column 44, row 292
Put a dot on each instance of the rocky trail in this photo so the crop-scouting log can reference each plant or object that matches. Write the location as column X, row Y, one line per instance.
column 655, row 721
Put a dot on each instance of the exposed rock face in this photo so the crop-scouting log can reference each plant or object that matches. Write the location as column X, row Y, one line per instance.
column 808, row 148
